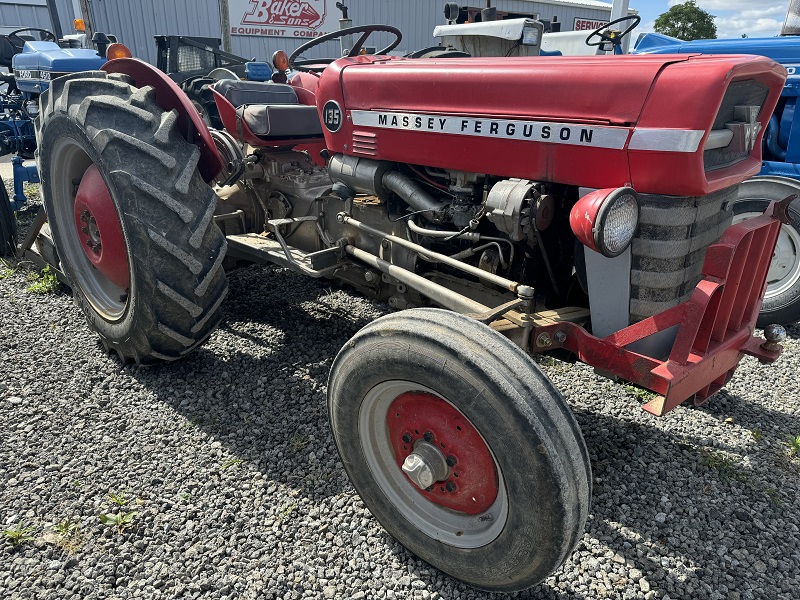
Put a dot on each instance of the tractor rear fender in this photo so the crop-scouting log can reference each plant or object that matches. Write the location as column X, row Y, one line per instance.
column 170, row 97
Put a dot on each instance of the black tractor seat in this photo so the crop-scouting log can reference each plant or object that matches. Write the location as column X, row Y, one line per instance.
column 7, row 52
column 271, row 110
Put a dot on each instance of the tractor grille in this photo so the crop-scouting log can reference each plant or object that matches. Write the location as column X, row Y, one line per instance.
column 751, row 93
column 669, row 248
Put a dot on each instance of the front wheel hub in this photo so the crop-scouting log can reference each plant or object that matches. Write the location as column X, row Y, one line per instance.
column 441, row 453
column 99, row 228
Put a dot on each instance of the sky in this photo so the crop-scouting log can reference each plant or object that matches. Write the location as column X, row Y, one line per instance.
column 756, row 18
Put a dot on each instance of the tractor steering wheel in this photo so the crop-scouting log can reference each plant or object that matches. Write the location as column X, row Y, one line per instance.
column 304, row 64
column 48, row 36
column 608, row 36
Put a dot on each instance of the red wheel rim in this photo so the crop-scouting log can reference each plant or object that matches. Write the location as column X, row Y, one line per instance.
column 472, row 483
column 99, row 228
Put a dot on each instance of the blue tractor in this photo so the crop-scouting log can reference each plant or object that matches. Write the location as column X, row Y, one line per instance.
column 33, row 57
column 780, row 173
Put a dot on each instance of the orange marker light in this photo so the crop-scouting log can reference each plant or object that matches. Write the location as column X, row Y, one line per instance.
column 118, row 51
column 79, row 25
column 280, row 61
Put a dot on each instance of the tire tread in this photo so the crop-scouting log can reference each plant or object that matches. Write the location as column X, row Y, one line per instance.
column 177, row 248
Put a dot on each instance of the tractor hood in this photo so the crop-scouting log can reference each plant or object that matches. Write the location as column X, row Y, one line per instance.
column 576, row 88
column 601, row 121
column 39, row 62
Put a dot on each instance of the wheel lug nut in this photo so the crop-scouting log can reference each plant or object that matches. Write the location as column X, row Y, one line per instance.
column 428, row 436
column 85, row 216
column 407, row 438
column 450, row 486
column 451, row 461
column 85, row 230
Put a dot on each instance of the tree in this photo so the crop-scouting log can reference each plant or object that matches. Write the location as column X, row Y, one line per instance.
column 687, row 22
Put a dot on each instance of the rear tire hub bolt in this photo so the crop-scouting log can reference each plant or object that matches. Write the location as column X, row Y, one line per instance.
column 425, row 465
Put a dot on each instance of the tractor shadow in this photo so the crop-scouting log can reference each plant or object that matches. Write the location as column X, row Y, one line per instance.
column 793, row 331
column 753, row 416
column 259, row 385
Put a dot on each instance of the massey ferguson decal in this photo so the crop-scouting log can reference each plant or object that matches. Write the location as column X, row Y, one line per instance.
column 279, row 18
column 534, row 131
column 548, row 132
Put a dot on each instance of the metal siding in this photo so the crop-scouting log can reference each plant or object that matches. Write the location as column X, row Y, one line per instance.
column 67, row 16
column 567, row 14
column 35, row 14
column 135, row 23
column 24, row 15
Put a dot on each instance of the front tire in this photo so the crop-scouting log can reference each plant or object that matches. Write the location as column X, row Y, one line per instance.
column 511, row 499
column 782, row 299
column 131, row 217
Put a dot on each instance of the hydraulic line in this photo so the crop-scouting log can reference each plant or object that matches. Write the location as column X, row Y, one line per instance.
column 438, row 293
column 508, row 284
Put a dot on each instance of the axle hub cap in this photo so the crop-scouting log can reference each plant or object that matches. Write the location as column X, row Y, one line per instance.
column 442, row 453
column 426, row 465
column 99, row 228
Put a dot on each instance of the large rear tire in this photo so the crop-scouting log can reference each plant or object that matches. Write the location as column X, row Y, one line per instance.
column 196, row 88
column 511, row 487
column 782, row 299
column 8, row 224
column 131, row 217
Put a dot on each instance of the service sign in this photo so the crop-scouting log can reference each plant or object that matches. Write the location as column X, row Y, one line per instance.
column 582, row 24
column 281, row 18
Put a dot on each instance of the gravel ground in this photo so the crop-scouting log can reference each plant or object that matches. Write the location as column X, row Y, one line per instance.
column 227, row 461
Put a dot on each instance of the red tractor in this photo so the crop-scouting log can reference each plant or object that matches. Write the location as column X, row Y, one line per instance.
column 574, row 206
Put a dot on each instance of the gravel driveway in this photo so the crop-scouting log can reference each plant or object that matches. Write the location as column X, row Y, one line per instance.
column 217, row 476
